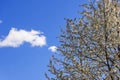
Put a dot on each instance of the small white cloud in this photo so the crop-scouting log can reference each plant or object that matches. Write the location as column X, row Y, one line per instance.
column 16, row 38
column 1, row 21
column 52, row 48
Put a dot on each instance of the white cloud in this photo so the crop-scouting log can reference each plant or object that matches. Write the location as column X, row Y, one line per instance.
column 52, row 48
column 16, row 38
column 1, row 21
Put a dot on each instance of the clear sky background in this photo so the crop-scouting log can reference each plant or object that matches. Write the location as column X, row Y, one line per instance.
column 24, row 52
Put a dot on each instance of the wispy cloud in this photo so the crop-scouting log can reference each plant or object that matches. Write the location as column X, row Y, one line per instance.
column 16, row 38
column 1, row 21
column 52, row 48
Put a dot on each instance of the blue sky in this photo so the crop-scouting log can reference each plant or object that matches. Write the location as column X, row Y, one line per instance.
column 27, row 29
